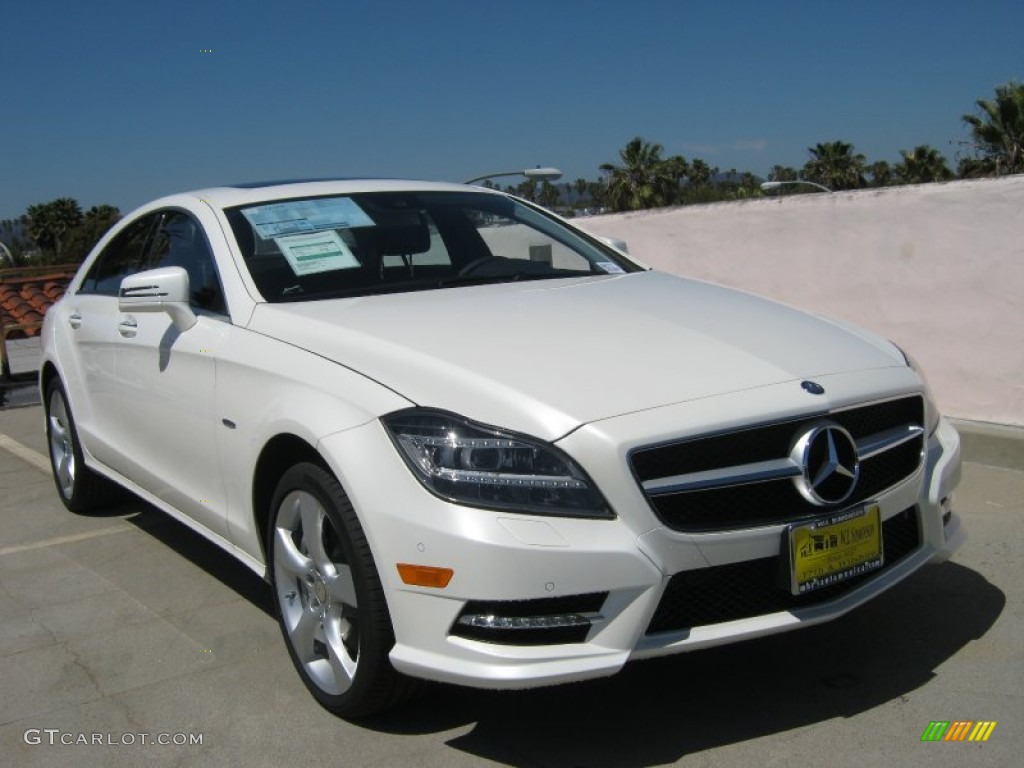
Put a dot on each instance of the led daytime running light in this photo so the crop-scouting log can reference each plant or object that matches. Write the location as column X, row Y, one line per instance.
column 491, row 621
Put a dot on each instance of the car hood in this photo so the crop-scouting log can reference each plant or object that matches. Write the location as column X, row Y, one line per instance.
column 545, row 357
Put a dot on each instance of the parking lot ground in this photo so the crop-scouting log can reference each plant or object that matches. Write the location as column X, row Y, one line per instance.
column 128, row 627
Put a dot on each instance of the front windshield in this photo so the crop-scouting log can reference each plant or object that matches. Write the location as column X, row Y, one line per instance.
column 387, row 242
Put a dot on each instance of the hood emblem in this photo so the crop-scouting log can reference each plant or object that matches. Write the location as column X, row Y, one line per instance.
column 812, row 387
column 829, row 465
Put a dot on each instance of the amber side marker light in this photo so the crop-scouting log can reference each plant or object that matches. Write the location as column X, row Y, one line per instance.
column 425, row 575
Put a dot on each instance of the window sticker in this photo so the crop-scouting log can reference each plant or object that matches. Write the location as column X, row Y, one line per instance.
column 296, row 216
column 610, row 267
column 316, row 252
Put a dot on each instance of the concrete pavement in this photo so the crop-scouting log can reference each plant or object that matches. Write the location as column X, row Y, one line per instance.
column 129, row 626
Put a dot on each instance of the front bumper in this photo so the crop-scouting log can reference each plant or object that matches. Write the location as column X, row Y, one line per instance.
column 510, row 557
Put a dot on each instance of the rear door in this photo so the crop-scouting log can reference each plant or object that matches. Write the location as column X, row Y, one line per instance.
column 89, row 350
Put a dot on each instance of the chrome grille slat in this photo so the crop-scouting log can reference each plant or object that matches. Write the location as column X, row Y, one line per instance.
column 773, row 469
column 881, row 442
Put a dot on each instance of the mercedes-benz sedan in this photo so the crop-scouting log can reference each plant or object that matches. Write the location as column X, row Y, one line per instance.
column 466, row 441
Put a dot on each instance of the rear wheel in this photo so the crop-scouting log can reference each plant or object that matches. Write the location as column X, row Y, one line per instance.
column 81, row 489
column 328, row 595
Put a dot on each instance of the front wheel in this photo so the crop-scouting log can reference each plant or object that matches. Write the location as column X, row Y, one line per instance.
column 328, row 595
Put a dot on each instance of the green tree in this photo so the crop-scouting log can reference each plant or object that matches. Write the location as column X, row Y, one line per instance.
column 526, row 190
column 581, row 186
column 644, row 180
column 922, row 164
column 12, row 235
column 836, row 165
column 881, row 173
column 549, row 194
column 971, row 168
column 80, row 240
column 701, row 172
column 782, row 173
column 998, row 131
column 47, row 223
column 700, row 188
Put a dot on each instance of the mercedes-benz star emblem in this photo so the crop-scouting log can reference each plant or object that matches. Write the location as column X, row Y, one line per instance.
column 829, row 465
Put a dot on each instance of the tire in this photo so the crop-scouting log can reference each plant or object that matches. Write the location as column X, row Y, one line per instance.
column 81, row 489
column 328, row 597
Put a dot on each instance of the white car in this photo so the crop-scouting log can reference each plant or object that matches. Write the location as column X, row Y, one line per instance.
column 465, row 441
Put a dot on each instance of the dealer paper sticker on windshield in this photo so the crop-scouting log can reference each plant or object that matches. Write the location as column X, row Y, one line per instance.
column 316, row 252
column 276, row 219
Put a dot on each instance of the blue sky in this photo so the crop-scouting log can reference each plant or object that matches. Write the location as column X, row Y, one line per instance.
column 117, row 102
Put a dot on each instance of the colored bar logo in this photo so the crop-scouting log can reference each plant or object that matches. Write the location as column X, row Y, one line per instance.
column 958, row 730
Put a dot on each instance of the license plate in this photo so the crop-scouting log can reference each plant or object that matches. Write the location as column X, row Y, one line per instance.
column 835, row 548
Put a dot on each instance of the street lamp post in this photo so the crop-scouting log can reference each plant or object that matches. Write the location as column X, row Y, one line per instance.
column 535, row 174
column 767, row 186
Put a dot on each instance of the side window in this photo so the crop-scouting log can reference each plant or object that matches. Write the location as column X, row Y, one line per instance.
column 179, row 242
column 122, row 257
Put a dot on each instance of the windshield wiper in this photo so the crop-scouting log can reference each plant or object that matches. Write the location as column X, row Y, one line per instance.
column 512, row 277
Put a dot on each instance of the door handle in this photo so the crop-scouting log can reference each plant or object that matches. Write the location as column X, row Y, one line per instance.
column 128, row 328
column 75, row 320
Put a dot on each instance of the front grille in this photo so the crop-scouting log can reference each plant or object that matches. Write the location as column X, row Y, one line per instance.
column 776, row 500
column 756, row 587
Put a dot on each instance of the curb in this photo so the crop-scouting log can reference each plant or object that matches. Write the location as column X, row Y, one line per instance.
column 997, row 445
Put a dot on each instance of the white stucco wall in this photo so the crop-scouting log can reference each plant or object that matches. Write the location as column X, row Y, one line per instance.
column 937, row 268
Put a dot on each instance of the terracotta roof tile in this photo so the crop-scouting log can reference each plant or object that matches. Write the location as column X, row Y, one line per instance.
column 25, row 297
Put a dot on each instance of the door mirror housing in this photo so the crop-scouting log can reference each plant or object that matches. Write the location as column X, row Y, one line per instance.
column 159, row 290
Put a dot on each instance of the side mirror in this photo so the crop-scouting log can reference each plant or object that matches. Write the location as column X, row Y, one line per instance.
column 614, row 242
column 159, row 290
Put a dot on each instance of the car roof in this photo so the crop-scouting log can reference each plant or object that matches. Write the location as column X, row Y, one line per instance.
column 254, row 192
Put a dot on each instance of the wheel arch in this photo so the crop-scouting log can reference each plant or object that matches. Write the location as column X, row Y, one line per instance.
column 47, row 374
column 279, row 454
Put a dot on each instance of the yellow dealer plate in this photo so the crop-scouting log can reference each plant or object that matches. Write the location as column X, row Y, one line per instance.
column 835, row 548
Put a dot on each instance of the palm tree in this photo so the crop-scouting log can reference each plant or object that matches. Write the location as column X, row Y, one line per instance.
column 880, row 173
column 48, row 222
column 922, row 164
column 581, row 186
column 526, row 190
column 782, row 173
column 644, row 180
column 835, row 165
column 549, row 194
column 701, row 172
column 998, row 133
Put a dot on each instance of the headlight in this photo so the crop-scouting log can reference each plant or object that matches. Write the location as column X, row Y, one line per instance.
column 931, row 413
column 481, row 466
